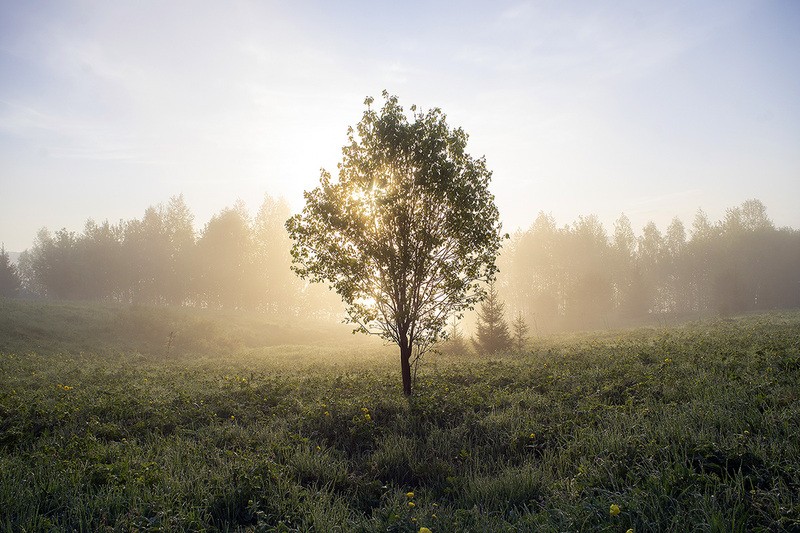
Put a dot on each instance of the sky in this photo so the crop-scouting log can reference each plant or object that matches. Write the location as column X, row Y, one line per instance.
column 652, row 109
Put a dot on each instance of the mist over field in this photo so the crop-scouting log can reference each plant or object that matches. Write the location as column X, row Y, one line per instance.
column 575, row 276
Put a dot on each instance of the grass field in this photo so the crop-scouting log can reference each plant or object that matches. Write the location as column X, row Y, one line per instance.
column 158, row 420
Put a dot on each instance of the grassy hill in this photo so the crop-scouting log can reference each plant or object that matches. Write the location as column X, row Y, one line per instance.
column 236, row 424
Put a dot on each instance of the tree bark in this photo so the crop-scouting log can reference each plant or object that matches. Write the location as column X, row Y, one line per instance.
column 405, row 367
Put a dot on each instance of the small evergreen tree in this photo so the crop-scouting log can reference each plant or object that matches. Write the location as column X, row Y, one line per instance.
column 491, row 334
column 9, row 277
column 455, row 340
column 520, row 335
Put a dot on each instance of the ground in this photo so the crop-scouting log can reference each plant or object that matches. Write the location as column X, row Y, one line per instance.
column 119, row 418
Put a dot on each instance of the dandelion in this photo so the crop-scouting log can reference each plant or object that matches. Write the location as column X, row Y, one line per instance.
column 327, row 413
column 412, row 504
column 424, row 529
column 630, row 530
column 409, row 495
column 367, row 417
column 233, row 417
column 614, row 509
column 533, row 436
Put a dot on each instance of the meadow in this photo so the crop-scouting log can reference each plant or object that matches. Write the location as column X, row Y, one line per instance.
column 123, row 418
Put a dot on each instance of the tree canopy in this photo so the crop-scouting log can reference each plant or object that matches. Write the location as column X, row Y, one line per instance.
column 407, row 232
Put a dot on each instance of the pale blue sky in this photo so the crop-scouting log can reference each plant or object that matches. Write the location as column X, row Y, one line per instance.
column 649, row 108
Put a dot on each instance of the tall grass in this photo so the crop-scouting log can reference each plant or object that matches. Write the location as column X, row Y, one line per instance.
column 691, row 428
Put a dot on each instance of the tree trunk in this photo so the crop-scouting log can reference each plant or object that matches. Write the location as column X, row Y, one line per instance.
column 405, row 366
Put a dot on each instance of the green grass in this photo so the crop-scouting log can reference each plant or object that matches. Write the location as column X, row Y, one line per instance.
column 238, row 427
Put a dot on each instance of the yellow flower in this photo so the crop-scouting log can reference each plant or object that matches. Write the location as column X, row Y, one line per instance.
column 367, row 417
column 425, row 530
column 614, row 509
column 327, row 413
column 412, row 504
column 233, row 417
column 629, row 530
column 533, row 435
column 409, row 495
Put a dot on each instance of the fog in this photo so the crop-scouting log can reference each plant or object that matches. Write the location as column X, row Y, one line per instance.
column 583, row 276
column 572, row 277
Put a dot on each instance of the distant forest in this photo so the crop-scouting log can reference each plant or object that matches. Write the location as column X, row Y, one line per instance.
column 579, row 277
column 234, row 262
column 576, row 276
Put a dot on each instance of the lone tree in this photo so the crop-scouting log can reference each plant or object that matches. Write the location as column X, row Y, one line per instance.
column 491, row 333
column 408, row 232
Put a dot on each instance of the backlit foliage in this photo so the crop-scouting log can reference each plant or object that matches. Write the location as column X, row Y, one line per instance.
column 407, row 231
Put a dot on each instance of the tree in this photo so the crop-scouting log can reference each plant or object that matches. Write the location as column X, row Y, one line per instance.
column 624, row 269
column 650, row 257
column 675, row 268
column 9, row 277
column 491, row 333
column 587, row 256
column 533, row 275
column 406, row 234
column 224, row 253
column 50, row 267
column 181, row 240
column 520, row 332
column 700, row 255
column 147, row 251
column 279, row 290
column 455, row 344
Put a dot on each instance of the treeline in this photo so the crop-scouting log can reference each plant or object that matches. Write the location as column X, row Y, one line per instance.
column 579, row 276
column 551, row 278
column 234, row 262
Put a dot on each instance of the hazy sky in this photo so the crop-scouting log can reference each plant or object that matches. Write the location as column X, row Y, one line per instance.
column 653, row 109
